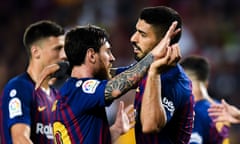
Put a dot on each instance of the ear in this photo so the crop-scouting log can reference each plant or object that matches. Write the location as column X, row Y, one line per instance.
column 91, row 55
column 35, row 52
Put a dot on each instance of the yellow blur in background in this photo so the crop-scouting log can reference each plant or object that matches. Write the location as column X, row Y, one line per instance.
column 128, row 138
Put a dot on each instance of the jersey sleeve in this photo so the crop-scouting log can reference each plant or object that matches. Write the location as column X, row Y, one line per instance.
column 122, row 69
column 17, row 97
column 178, row 103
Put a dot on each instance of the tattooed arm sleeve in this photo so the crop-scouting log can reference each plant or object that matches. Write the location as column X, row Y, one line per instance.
column 124, row 81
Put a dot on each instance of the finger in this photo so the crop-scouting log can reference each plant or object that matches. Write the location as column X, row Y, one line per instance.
column 173, row 56
column 167, row 37
column 214, row 114
column 160, row 63
column 178, row 51
column 120, row 108
column 52, row 81
column 176, row 55
column 225, row 104
column 132, row 124
column 171, row 30
column 216, row 108
column 175, row 32
column 166, row 58
column 45, row 74
column 129, row 109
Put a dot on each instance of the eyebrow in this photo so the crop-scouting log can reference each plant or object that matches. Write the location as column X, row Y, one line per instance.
column 142, row 32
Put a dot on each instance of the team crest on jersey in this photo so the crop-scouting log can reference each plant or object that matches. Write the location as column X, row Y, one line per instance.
column 78, row 83
column 13, row 93
column 90, row 86
column 60, row 133
column 14, row 107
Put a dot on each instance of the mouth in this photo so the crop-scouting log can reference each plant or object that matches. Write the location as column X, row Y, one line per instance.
column 136, row 49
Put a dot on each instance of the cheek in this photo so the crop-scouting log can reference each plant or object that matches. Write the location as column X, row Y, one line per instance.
column 53, row 56
column 147, row 45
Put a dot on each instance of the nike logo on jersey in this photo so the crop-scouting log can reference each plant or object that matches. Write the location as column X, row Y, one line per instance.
column 138, row 89
column 41, row 108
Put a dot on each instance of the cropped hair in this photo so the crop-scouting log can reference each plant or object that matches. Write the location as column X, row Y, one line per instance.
column 198, row 65
column 161, row 18
column 40, row 30
column 79, row 39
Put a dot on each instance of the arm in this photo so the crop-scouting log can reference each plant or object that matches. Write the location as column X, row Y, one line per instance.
column 125, row 120
column 224, row 112
column 153, row 115
column 20, row 134
column 124, row 81
column 47, row 74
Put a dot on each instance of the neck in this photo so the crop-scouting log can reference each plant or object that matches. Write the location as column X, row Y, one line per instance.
column 82, row 71
column 34, row 70
column 203, row 93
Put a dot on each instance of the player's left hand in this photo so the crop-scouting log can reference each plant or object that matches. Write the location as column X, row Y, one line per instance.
column 125, row 119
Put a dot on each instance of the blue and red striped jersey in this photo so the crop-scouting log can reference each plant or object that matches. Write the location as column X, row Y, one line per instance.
column 22, row 104
column 205, row 131
column 178, row 102
column 80, row 114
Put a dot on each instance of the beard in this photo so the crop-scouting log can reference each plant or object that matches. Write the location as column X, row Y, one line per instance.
column 102, row 73
column 136, row 57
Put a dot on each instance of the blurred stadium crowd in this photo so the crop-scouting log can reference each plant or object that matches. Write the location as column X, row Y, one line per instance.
column 211, row 29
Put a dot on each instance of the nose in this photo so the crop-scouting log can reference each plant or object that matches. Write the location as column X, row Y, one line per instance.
column 112, row 58
column 63, row 55
column 134, row 37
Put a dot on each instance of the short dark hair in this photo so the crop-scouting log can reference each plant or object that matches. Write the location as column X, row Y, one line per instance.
column 80, row 39
column 40, row 30
column 198, row 65
column 161, row 18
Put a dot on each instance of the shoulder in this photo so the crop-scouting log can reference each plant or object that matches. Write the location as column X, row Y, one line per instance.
column 22, row 80
column 85, row 85
column 20, row 83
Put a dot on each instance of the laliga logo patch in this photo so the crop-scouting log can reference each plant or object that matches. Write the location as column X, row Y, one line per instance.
column 15, row 108
column 90, row 86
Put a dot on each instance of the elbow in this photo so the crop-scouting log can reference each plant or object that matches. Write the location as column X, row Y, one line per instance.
column 150, row 129
column 153, row 127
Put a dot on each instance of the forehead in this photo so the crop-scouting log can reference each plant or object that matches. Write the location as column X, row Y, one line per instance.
column 53, row 41
column 106, row 45
column 143, row 26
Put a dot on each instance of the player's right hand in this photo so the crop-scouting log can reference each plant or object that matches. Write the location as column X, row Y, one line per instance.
column 46, row 74
column 161, row 48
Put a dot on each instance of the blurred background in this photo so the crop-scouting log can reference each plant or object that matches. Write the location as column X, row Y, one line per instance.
column 211, row 28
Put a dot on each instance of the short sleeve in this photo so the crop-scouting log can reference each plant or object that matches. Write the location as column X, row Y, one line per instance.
column 17, row 97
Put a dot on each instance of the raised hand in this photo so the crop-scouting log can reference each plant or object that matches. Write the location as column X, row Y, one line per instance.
column 125, row 120
column 171, row 57
column 224, row 112
column 162, row 46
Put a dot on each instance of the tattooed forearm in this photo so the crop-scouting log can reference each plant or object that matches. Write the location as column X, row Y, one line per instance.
column 124, row 81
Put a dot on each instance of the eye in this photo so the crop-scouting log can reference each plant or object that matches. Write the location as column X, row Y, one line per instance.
column 143, row 34
column 58, row 48
column 109, row 52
